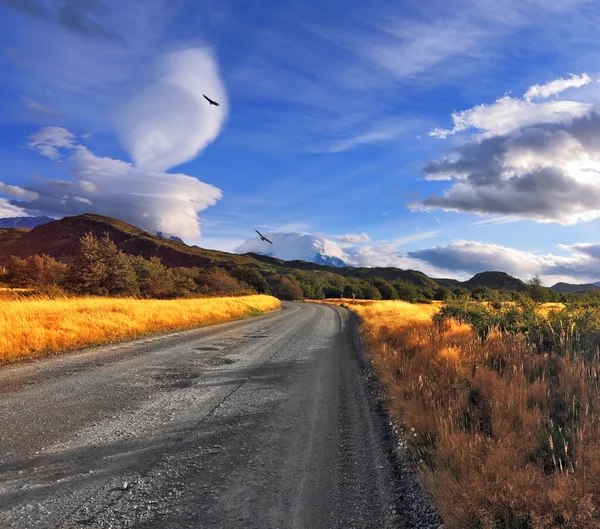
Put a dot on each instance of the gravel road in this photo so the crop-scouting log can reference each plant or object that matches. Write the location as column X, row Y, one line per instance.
column 263, row 423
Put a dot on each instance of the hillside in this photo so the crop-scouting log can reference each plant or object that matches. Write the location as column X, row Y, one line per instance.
column 494, row 280
column 568, row 288
column 389, row 274
column 60, row 239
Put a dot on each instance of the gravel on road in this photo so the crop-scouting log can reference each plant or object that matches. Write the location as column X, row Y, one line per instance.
column 271, row 422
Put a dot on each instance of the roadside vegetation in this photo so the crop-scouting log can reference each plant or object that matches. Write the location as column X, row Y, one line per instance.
column 31, row 326
column 500, row 403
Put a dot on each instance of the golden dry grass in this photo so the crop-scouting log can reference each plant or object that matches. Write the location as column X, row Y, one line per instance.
column 32, row 327
column 507, row 437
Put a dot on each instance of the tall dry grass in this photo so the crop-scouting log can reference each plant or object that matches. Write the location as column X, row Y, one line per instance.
column 507, row 437
column 32, row 327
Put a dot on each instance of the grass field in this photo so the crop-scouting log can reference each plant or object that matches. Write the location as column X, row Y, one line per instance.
column 506, row 436
column 32, row 327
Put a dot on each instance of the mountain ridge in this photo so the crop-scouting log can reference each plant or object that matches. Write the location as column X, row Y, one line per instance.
column 60, row 239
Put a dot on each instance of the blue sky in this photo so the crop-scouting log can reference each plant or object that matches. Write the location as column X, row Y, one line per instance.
column 450, row 137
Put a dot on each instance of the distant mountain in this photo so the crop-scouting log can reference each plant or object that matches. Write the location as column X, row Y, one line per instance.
column 171, row 238
column 327, row 260
column 318, row 258
column 569, row 288
column 494, row 280
column 60, row 239
column 389, row 273
column 24, row 222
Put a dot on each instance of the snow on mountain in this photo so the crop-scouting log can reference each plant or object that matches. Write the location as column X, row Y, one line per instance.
column 24, row 222
column 301, row 246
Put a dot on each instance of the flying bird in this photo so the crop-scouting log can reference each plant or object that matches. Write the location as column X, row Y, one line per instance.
column 262, row 237
column 210, row 100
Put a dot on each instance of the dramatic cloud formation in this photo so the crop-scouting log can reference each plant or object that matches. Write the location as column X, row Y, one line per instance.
column 540, row 162
column 460, row 259
column 306, row 246
column 153, row 200
column 170, row 122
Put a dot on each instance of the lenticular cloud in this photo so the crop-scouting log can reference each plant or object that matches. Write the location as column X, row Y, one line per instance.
column 170, row 122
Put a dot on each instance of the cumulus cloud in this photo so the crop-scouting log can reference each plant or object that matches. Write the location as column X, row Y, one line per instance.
column 465, row 258
column 153, row 200
column 294, row 245
column 9, row 210
column 305, row 246
column 535, row 161
column 507, row 114
column 169, row 122
column 460, row 259
column 353, row 238
column 557, row 86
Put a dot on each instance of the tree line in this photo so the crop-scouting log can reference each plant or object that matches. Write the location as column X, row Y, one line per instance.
column 101, row 268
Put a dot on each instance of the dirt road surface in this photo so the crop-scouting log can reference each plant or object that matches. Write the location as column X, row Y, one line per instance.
column 261, row 423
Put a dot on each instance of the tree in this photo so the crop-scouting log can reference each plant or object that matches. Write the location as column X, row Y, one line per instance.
column 38, row 271
column 288, row 289
column 442, row 294
column 536, row 291
column 385, row 288
column 370, row 291
column 406, row 291
column 252, row 277
column 101, row 268
column 218, row 282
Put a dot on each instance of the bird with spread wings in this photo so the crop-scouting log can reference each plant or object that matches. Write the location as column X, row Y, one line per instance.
column 211, row 101
column 262, row 237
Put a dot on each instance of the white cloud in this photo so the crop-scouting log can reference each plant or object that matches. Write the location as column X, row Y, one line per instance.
column 16, row 191
column 153, row 200
column 305, row 246
column 507, row 114
column 48, row 140
column 557, row 86
column 353, row 238
column 294, row 245
column 169, row 122
column 536, row 161
column 9, row 210
column 465, row 258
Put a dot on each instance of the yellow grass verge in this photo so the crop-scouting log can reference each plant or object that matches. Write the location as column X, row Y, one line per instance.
column 32, row 327
column 508, row 437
